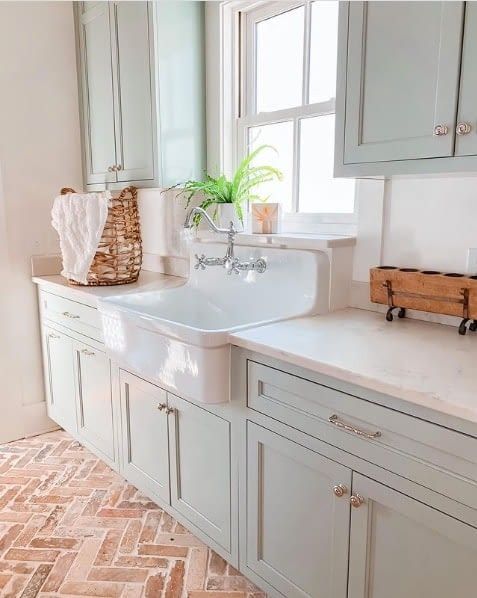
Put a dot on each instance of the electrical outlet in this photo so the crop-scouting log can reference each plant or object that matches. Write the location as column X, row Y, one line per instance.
column 472, row 260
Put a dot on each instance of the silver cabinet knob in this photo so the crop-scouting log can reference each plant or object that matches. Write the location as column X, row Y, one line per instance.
column 162, row 406
column 463, row 129
column 119, row 166
column 170, row 410
column 356, row 500
column 440, row 130
column 340, row 490
column 110, row 168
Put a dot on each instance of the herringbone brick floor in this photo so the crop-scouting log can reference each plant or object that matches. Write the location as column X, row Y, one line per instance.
column 70, row 526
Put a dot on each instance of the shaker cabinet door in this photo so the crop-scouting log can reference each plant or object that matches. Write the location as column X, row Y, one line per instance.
column 94, row 400
column 297, row 526
column 135, row 122
column 402, row 80
column 402, row 547
column 60, row 379
column 466, row 128
column 201, row 468
column 145, row 447
column 97, row 93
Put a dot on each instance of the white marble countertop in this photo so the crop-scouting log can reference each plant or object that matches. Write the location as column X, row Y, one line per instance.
column 148, row 281
column 420, row 363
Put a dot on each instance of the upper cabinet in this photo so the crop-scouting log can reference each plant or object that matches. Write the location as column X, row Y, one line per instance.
column 129, row 80
column 407, row 88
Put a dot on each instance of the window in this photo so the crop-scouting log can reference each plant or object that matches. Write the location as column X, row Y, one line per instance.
column 286, row 91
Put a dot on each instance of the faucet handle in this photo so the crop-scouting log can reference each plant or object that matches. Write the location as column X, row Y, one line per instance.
column 200, row 262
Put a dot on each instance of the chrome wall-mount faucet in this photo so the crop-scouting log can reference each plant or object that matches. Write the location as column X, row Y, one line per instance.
column 229, row 261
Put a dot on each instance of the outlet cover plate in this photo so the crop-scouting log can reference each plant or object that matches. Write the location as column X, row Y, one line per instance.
column 472, row 260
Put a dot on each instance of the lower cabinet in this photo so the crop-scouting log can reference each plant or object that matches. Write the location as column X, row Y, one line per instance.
column 199, row 447
column 402, row 547
column 318, row 529
column 145, row 444
column 94, row 399
column 179, row 453
column 60, row 379
column 297, row 527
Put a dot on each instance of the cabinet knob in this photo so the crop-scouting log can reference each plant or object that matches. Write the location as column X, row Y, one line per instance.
column 110, row 168
column 356, row 500
column 119, row 166
column 170, row 410
column 440, row 130
column 340, row 490
column 463, row 129
column 162, row 406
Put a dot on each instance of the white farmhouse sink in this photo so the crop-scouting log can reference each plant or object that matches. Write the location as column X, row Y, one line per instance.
column 179, row 337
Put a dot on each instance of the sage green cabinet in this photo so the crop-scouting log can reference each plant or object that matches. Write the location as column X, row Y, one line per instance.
column 297, row 527
column 141, row 77
column 199, row 448
column 407, row 88
column 60, row 378
column 402, row 547
column 144, row 445
column 94, row 400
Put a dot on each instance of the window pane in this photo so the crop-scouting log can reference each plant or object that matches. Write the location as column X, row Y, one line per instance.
column 324, row 39
column 280, row 61
column 319, row 191
column 280, row 137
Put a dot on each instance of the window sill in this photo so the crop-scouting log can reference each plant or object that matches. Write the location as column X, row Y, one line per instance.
column 314, row 242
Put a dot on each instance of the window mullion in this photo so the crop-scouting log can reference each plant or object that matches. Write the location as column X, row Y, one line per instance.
column 306, row 54
column 296, row 165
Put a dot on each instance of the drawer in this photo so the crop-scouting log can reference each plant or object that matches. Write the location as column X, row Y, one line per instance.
column 71, row 314
column 373, row 432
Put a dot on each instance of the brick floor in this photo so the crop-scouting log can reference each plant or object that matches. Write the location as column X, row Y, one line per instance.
column 70, row 526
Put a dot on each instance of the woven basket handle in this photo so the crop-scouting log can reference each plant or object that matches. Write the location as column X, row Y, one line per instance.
column 66, row 190
column 132, row 191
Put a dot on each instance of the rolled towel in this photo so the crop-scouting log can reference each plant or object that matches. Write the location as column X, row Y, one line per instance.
column 79, row 219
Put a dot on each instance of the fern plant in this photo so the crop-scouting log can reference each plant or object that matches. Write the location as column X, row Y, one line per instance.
column 240, row 189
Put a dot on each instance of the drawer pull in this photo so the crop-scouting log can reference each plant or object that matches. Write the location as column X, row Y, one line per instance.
column 88, row 353
column 333, row 419
column 51, row 335
column 72, row 316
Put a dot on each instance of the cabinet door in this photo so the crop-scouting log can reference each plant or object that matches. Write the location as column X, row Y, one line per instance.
column 97, row 93
column 200, row 468
column 60, row 378
column 95, row 406
column 402, row 79
column 145, row 447
column 466, row 139
column 297, row 528
column 135, row 127
column 401, row 547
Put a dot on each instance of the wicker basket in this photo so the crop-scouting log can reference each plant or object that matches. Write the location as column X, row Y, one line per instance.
column 119, row 256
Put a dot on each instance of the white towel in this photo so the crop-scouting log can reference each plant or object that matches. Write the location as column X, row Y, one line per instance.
column 79, row 219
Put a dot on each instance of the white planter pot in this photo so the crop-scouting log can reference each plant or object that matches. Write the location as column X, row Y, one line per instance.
column 226, row 213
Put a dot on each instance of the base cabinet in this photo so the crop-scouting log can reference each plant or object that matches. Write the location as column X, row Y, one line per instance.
column 297, row 527
column 94, row 399
column 199, row 444
column 60, row 379
column 145, row 445
column 402, row 547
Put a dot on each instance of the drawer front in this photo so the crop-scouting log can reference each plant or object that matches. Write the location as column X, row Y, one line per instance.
column 76, row 316
column 368, row 430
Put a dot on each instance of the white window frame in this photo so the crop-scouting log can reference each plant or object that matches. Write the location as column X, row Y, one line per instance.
column 238, row 101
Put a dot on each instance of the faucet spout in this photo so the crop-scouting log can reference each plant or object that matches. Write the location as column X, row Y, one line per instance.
column 189, row 222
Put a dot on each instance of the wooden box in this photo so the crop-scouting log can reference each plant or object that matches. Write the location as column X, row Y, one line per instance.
column 450, row 293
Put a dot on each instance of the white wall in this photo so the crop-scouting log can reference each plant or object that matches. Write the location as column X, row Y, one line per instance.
column 39, row 153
